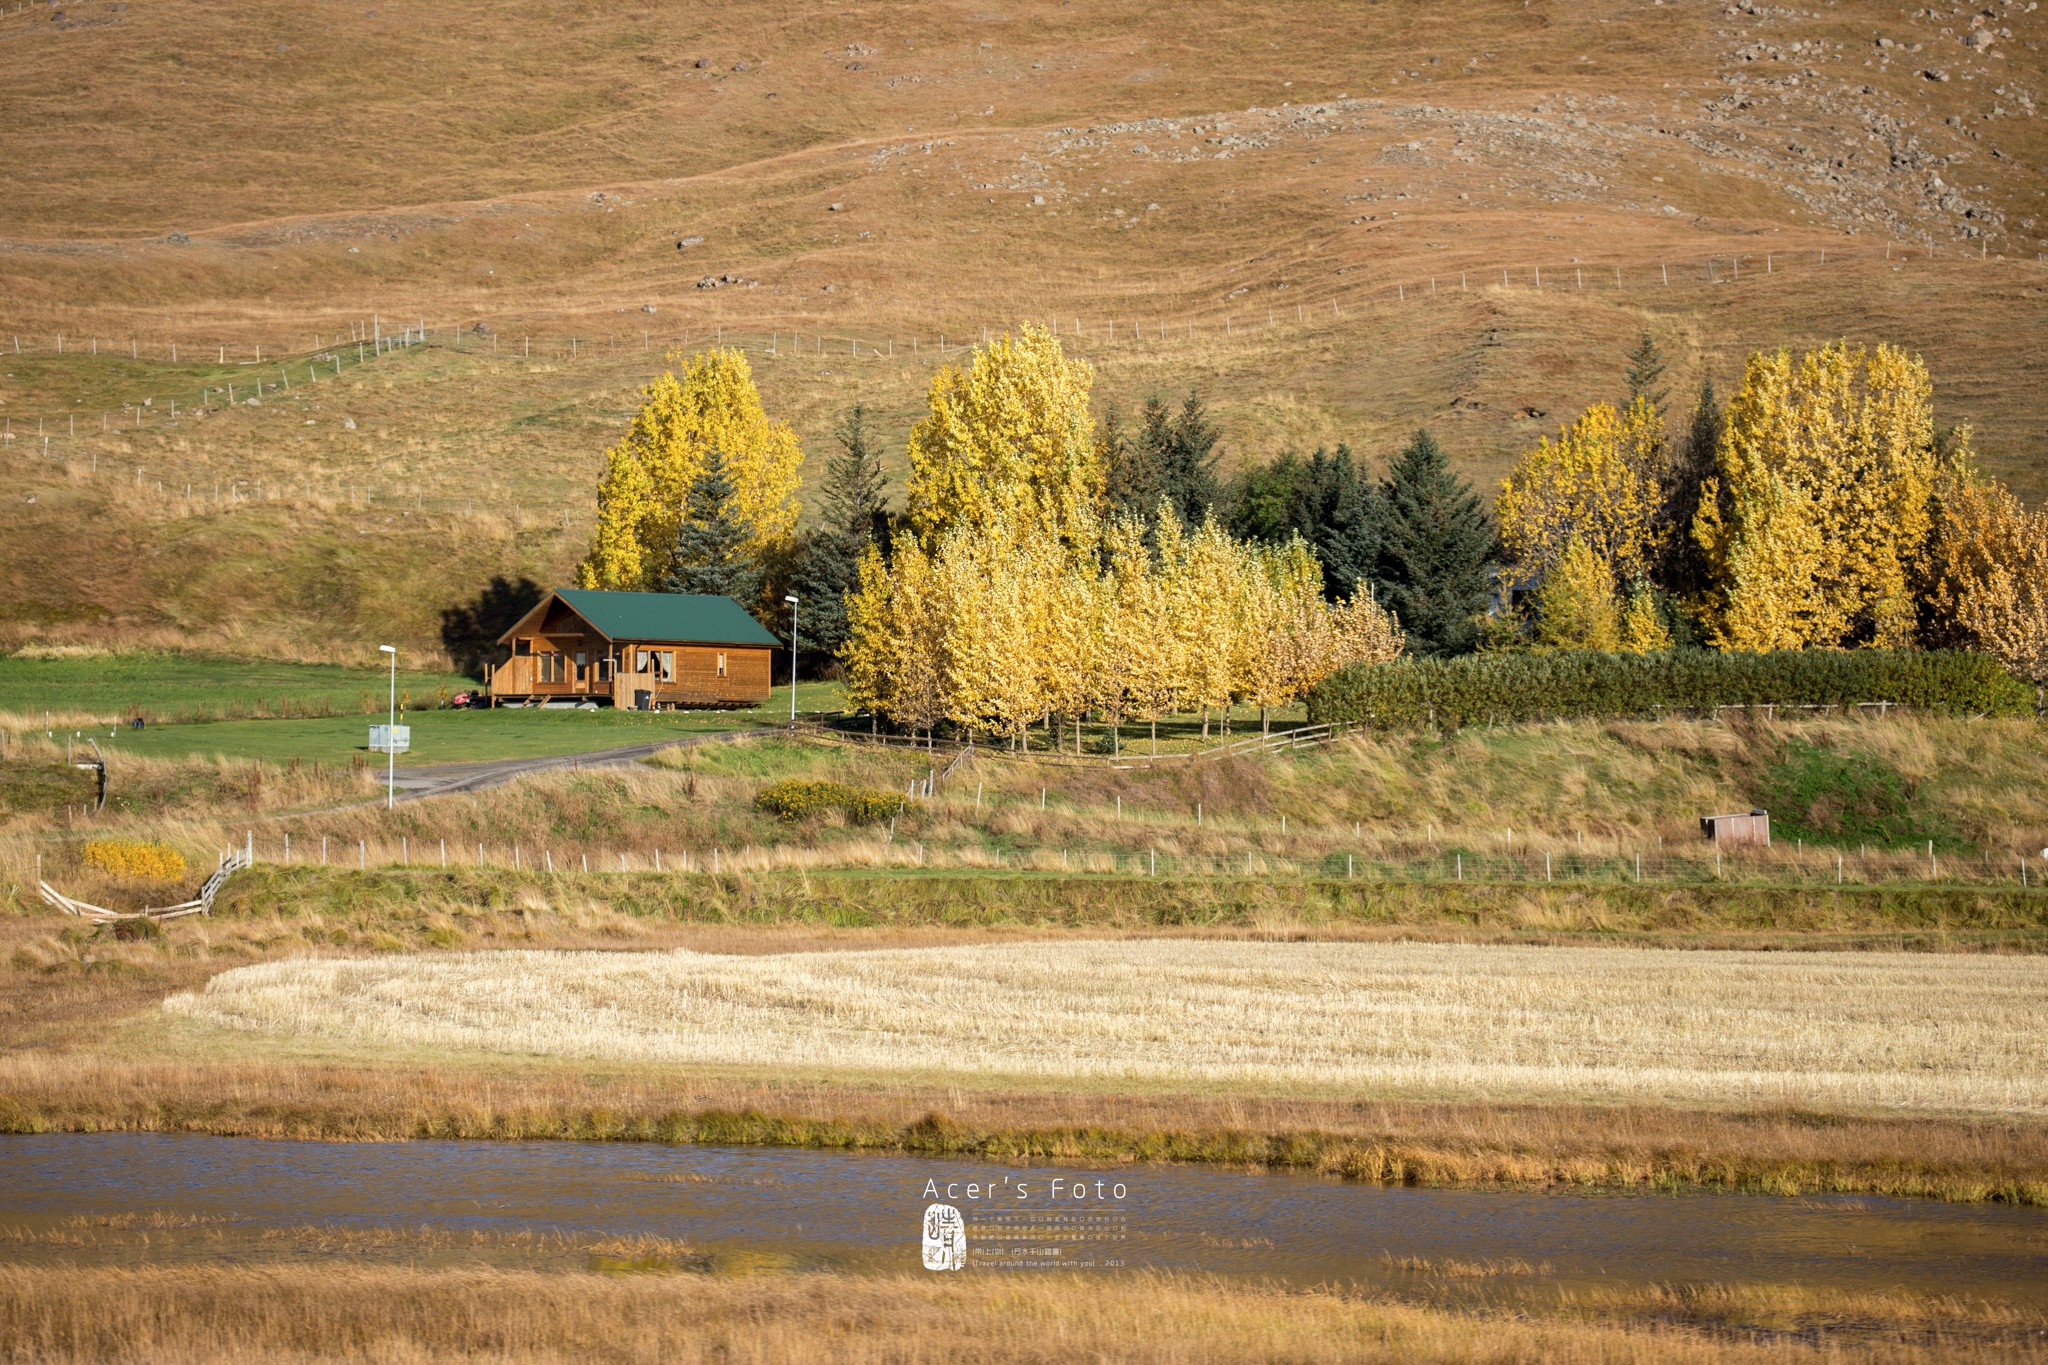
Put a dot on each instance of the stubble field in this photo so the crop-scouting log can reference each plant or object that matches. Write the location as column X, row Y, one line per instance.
column 1861, row 1032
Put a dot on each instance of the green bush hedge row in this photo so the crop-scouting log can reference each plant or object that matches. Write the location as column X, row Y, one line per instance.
column 800, row 798
column 1504, row 688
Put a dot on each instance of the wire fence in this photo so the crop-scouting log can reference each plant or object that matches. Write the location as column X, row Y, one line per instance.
column 1386, row 859
column 272, row 370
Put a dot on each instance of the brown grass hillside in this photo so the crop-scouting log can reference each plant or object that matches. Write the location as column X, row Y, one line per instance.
column 1257, row 202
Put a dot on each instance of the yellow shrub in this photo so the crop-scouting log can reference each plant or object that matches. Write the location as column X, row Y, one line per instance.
column 132, row 858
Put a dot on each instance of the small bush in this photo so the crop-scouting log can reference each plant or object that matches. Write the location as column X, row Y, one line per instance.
column 799, row 798
column 1506, row 688
column 132, row 858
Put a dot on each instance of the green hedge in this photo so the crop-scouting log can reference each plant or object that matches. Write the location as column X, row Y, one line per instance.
column 800, row 798
column 1503, row 688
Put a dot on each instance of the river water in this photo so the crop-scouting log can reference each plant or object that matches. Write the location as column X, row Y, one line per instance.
column 124, row 1198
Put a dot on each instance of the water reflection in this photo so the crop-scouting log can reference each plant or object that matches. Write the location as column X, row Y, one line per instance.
column 127, row 1197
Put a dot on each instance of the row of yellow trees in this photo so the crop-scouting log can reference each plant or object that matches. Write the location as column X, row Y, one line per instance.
column 1822, row 512
column 1010, row 600
column 1016, row 619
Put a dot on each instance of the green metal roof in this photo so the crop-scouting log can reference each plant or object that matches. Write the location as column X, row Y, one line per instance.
column 683, row 617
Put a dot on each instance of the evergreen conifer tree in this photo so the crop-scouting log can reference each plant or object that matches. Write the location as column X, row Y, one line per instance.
column 711, row 552
column 1336, row 510
column 852, row 495
column 1645, row 368
column 1683, row 570
column 1184, row 451
column 826, row 567
column 1131, row 479
column 1173, row 456
column 1437, row 550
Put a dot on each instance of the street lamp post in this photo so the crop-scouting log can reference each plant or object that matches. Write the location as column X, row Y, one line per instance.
column 390, row 743
column 791, row 599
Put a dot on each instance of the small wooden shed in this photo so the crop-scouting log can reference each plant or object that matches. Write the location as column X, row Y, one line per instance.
column 1750, row 827
column 640, row 650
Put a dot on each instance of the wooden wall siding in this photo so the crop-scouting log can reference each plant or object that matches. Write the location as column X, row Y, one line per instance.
column 696, row 681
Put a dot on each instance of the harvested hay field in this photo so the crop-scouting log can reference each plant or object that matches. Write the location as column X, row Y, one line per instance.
column 1839, row 1031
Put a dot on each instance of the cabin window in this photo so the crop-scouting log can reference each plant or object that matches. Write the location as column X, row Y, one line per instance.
column 523, row 648
column 664, row 664
column 549, row 668
column 604, row 670
column 721, row 665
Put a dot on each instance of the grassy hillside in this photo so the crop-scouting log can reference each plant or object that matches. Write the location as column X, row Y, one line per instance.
column 1257, row 204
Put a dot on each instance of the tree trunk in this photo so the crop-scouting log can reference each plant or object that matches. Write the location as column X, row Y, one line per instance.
column 1155, row 736
column 1116, row 740
column 1265, row 720
column 1205, row 725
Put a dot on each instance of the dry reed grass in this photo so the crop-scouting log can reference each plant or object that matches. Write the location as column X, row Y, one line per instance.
column 1865, row 1031
column 269, row 1090
column 171, row 1316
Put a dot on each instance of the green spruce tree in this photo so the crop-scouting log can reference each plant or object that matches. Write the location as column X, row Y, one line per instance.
column 710, row 553
column 1184, row 453
column 1336, row 510
column 826, row 565
column 1131, row 476
column 1645, row 369
column 1438, row 548
column 1683, row 569
column 852, row 496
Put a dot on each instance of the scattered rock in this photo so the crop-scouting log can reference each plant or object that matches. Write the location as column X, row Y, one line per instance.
column 702, row 63
column 835, row 208
column 1038, row 199
column 685, row 243
column 178, row 239
column 348, row 424
column 721, row 281
column 739, row 66
column 482, row 329
column 647, row 308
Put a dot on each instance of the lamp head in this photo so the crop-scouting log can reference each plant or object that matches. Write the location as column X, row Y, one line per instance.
column 386, row 649
column 790, row 598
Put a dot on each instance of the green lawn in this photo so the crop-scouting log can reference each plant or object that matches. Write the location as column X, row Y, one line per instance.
column 178, row 687
column 456, row 736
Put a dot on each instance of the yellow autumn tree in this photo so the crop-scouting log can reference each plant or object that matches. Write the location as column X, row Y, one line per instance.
column 1576, row 608
column 1821, row 501
column 1988, row 564
column 895, row 636
column 1642, row 626
column 1201, row 570
column 1365, row 633
column 712, row 404
column 864, row 656
column 1009, row 438
column 1600, row 483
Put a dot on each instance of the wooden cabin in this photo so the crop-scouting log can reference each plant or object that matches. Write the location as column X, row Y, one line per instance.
column 1748, row 827
column 645, row 651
